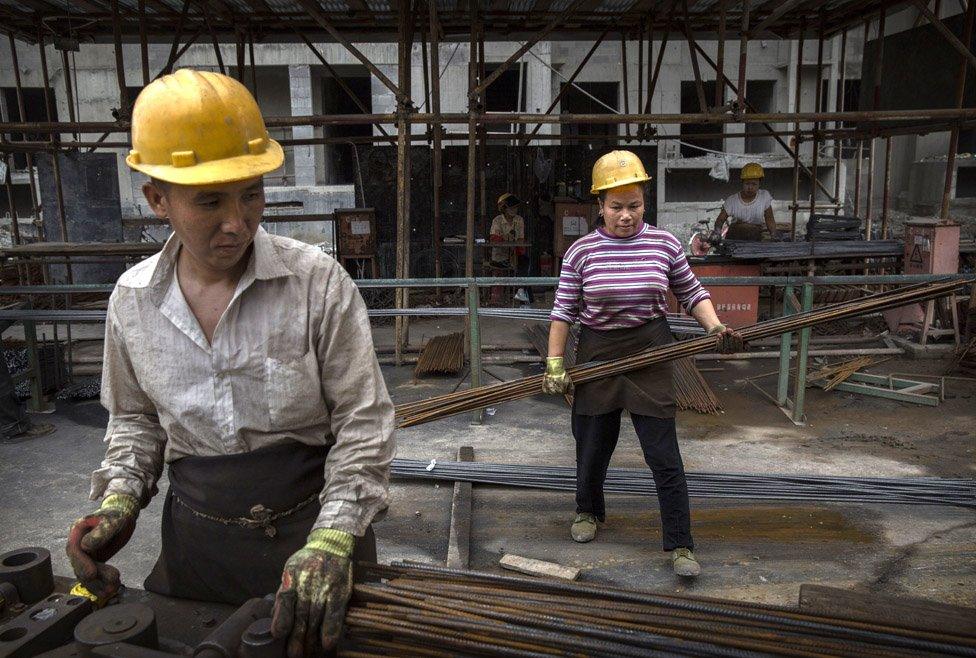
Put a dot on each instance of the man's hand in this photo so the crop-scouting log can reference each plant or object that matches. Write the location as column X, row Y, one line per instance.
column 556, row 380
column 95, row 538
column 729, row 341
column 315, row 587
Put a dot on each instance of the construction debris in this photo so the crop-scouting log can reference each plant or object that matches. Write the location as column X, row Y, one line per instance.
column 422, row 610
column 533, row 567
column 959, row 492
column 840, row 372
column 442, row 355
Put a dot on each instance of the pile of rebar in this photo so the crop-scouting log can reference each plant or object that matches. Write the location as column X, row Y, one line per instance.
column 750, row 250
column 442, row 355
column 691, row 391
column 421, row 610
column 415, row 413
column 953, row 492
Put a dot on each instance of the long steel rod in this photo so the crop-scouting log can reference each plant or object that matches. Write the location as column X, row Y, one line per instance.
column 562, row 16
column 839, row 107
column 720, row 55
column 743, row 55
column 495, row 118
column 567, row 85
column 22, row 113
column 438, row 131
column 798, row 82
column 960, row 95
column 451, row 404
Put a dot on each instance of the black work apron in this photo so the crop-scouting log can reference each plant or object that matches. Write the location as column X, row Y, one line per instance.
column 648, row 392
column 206, row 557
column 745, row 231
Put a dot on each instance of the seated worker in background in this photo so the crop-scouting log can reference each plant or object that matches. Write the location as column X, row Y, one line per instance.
column 509, row 226
column 748, row 209
column 245, row 362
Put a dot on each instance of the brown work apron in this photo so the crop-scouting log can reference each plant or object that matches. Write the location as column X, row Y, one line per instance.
column 648, row 392
column 206, row 555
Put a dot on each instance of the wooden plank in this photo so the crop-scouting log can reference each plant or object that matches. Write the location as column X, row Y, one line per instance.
column 459, row 538
column 918, row 614
column 532, row 567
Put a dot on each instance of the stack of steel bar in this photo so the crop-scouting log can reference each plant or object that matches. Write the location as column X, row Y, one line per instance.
column 442, row 355
column 424, row 610
column 750, row 250
column 415, row 413
column 691, row 391
column 678, row 323
column 959, row 492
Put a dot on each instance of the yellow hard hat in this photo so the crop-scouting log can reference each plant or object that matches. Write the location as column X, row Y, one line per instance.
column 200, row 128
column 508, row 200
column 616, row 169
column 752, row 171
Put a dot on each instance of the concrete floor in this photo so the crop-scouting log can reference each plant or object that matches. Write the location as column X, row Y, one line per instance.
column 759, row 551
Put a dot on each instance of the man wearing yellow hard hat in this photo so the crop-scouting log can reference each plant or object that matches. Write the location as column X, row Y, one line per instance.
column 245, row 362
column 749, row 209
column 615, row 282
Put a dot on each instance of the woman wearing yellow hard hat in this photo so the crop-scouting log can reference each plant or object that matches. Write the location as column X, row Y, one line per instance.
column 615, row 282
column 748, row 209
column 508, row 226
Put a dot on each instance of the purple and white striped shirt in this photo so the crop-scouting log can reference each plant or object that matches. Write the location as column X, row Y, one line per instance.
column 613, row 283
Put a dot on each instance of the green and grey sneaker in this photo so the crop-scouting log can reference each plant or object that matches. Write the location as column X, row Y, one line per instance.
column 684, row 563
column 584, row 528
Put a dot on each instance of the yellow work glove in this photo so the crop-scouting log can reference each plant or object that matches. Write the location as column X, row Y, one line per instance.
column 728, row 339
column 316, row 583
column 95, row 538
column 556, row 380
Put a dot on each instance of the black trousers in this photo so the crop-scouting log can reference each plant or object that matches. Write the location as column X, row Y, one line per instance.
column 596, row 438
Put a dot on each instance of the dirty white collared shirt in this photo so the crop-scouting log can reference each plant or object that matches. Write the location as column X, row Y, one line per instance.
column 292, row 359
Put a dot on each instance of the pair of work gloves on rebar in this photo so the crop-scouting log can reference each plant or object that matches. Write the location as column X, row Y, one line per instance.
column 310, row 605
column 556, row 381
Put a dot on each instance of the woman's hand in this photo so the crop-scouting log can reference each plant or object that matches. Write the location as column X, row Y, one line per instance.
column 728, row 340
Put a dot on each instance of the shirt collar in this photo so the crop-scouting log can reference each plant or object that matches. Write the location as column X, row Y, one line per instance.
column 610, row 236
column 265, row 263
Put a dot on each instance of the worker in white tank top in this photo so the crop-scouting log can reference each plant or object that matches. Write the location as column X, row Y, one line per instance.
column 749, row 209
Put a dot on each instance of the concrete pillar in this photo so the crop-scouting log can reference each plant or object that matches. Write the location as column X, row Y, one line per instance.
column 538, row 85
column 384, row 102
column 300, row 86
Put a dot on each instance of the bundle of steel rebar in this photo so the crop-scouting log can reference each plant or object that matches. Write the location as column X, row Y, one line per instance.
column 691, row 391
column 415, row 413
column 421, row 610
column 953, row 492
column 751, row 250
column 442, row 355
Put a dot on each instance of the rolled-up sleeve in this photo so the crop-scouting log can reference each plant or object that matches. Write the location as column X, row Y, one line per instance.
column 136, row 441
column 567, row 302
column 684, row 284
column 357, row 470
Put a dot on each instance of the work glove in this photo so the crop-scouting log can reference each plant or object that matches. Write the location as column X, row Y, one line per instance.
column 315, row 587
column 94, row 539
column 729, row 341
column 556, row 380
